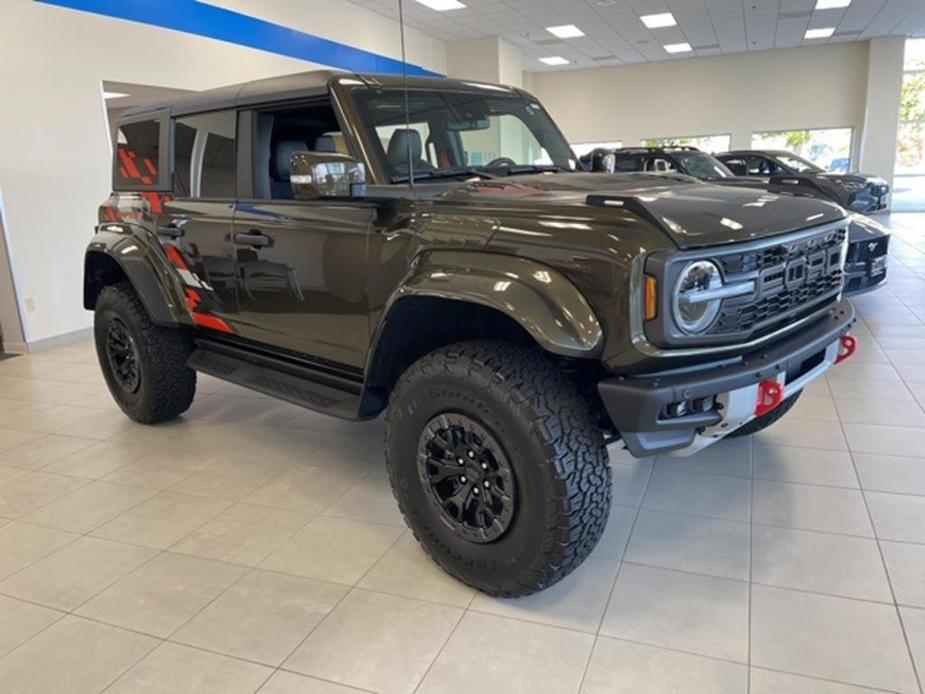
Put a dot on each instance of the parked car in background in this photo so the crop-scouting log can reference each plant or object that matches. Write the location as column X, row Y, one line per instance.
column 840, row 165
column 868, row 240
column 856, row 192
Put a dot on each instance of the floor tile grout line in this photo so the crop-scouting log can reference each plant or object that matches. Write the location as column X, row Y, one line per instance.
column 751, row 560
column 889, row 579
column 613, row 585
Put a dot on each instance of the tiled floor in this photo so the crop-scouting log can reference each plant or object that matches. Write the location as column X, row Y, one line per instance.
column 253, row 545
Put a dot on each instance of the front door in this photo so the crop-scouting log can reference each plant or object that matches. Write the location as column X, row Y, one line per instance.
column 301, row 273
column 300, row 265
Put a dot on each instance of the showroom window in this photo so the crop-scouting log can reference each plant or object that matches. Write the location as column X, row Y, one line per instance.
column 827, row 148
column 582, row 148
column 137, row 155
column 909, row 179
column 204, row 155
column 705, row 143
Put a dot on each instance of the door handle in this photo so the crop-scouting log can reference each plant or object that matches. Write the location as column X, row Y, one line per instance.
column 253, row 238
column 173, row 230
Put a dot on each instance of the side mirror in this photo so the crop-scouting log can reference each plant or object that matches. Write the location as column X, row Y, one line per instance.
column 316, row 175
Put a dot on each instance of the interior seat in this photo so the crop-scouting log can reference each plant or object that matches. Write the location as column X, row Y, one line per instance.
column 398, row 154
column 280, row 187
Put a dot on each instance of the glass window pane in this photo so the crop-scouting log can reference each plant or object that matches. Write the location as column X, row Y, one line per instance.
column 910, row 149
column 137, row 152
column 912, row 98
column 204, row 155
column 827, row 148
column 915, row 55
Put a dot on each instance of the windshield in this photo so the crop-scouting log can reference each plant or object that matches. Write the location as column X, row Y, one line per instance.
column 462, row 134
column 702, row 165
column 798, row 164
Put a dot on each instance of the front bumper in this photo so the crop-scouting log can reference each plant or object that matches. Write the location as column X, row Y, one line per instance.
column 638, row 406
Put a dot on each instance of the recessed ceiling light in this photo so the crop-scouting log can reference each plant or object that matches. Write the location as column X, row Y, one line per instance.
column 442, row 5
column 678, row 47
column 656, row 21
column 819, row 33
column 831, row 4
column 566, row 31
column 114, row 95
column 554, row 60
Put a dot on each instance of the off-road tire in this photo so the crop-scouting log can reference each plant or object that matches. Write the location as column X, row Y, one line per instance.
column 764, row 421
column 166, row 385
column 550, row 438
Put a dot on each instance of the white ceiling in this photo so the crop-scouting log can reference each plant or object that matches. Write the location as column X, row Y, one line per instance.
column 615, row 35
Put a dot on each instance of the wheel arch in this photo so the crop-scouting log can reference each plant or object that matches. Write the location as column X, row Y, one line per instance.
column 116, row 257
column 463, row 295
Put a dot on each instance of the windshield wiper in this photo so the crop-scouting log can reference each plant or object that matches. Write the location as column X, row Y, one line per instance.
column 430, row 174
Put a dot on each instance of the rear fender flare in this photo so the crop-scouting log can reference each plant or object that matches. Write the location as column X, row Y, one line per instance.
column 146, row 270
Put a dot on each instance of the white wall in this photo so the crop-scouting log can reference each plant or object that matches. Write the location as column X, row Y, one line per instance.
column 55, row 163
column 809, row 87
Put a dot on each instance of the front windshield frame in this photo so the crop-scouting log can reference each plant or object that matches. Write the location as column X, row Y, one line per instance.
column 788, row 159
column 720, row 170
column 560, row 154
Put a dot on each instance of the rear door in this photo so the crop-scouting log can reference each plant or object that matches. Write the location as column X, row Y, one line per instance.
column 195, row 226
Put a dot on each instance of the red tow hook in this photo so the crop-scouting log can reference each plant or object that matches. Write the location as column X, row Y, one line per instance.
column 847, row 344
column 770, row 395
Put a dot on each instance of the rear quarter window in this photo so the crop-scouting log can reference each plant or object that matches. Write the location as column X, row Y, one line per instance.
column 139, row 155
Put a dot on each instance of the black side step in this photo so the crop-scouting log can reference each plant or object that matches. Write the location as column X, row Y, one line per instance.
column 281, row 378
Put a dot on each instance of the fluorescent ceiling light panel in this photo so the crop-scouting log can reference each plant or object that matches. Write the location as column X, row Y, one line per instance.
column 831, row 4
column 114, row 95
column 554, row 60
column 442, row 5
column 657, row 21
column 678, row 47
column 566, row 31
column 819, row 33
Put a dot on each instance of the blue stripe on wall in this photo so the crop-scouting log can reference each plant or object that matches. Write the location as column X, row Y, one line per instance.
column 198, row 18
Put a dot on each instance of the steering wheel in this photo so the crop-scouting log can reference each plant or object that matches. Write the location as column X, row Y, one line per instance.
column 499, row 162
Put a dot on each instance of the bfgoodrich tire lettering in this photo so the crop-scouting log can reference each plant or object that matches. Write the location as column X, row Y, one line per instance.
column 162, row 386
column 548, row 435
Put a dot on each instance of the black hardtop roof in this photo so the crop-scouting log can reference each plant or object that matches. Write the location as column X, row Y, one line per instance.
column 650, row 150
column 746, row 152
column 296, row 86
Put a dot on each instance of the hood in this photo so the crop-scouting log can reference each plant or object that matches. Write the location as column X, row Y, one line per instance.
column 692, row 213
column 855, row 178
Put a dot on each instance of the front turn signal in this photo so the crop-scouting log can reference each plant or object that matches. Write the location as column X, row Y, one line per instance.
column 651, row 296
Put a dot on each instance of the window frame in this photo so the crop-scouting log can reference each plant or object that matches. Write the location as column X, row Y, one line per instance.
column 163, row 183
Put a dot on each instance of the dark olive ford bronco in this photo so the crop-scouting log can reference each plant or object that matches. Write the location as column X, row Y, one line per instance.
column 436, row 253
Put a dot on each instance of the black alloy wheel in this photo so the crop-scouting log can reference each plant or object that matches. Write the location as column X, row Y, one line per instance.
column 122, row 353
column 468, row 477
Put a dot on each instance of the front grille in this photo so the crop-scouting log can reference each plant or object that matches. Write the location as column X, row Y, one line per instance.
column 792, row 279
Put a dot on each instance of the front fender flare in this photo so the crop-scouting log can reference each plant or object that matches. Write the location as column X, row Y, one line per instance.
column 539, row 298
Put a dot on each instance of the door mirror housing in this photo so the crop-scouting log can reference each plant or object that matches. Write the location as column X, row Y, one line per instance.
column 316, row 175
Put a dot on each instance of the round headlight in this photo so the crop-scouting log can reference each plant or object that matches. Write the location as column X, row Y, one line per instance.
column 694, row 309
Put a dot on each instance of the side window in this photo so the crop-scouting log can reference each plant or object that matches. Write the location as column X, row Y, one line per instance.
column 279, row 133
column 627, row 163
column 204, row 155
column 137, row 155
column 760, row 166
column 660, row 165
column 737, row 166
